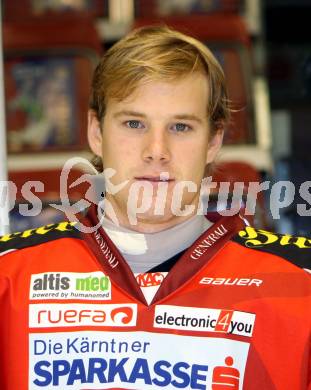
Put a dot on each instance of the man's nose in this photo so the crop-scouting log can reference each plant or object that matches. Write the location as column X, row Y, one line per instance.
column 156, row 146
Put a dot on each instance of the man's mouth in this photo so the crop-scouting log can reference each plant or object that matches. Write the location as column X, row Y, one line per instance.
column 155, row 179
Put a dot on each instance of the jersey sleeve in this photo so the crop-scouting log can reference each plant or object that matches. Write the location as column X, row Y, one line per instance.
column 40, row 235
column 4, row 327
column 296, row 250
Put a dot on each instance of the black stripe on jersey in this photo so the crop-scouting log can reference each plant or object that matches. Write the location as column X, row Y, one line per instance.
column 38, row 236
column 296, row 250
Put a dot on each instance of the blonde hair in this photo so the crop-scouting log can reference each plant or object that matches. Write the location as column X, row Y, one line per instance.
column 157, row 53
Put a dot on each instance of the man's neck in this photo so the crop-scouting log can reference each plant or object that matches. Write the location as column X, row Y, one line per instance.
column 148, row 224
column 144, row 251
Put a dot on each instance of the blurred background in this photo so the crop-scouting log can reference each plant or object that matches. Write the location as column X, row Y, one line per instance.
column 50, row 48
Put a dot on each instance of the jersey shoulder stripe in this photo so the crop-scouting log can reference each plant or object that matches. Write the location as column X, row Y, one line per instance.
column 296, row 250
column 37, row 236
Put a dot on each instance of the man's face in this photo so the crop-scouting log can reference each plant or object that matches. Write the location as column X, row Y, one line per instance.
column 161, row 127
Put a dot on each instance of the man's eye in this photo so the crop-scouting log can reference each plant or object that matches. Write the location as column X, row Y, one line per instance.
column 181, row 127
column 134, row 124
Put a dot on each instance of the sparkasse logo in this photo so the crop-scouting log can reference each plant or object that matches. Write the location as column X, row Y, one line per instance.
column 64, row 285
column 134, row 360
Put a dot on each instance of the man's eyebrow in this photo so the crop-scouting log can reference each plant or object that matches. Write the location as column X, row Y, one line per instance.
column 129, row 113
column 188, row 117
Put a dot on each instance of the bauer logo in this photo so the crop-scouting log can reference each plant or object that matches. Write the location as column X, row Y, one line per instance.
column 204, row 320
column 76, row 314
column 70, row 285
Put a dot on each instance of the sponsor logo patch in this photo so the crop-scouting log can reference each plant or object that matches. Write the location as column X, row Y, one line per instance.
column 70, row 285
column 58, row 227
column 208, row 241
column 149, row 283
column 204, row 320
column 260, row 238
column 150, row 279
column 135, row 360
column 76, row 314
column 231, row 281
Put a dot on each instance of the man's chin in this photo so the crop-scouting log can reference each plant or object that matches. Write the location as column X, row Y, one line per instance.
column 151, row 222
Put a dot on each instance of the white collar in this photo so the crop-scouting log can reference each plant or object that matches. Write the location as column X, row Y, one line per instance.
column 144, row 251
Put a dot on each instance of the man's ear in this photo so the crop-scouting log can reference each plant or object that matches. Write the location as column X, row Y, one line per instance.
column 214, row 146
column 94, row 134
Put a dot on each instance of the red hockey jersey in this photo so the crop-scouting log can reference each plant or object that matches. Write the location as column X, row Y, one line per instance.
column 234, row 312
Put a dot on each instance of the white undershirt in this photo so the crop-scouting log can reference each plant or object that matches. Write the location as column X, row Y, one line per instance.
column 145, row 251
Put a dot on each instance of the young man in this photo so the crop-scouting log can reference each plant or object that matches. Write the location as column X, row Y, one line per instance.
column 158, row 295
